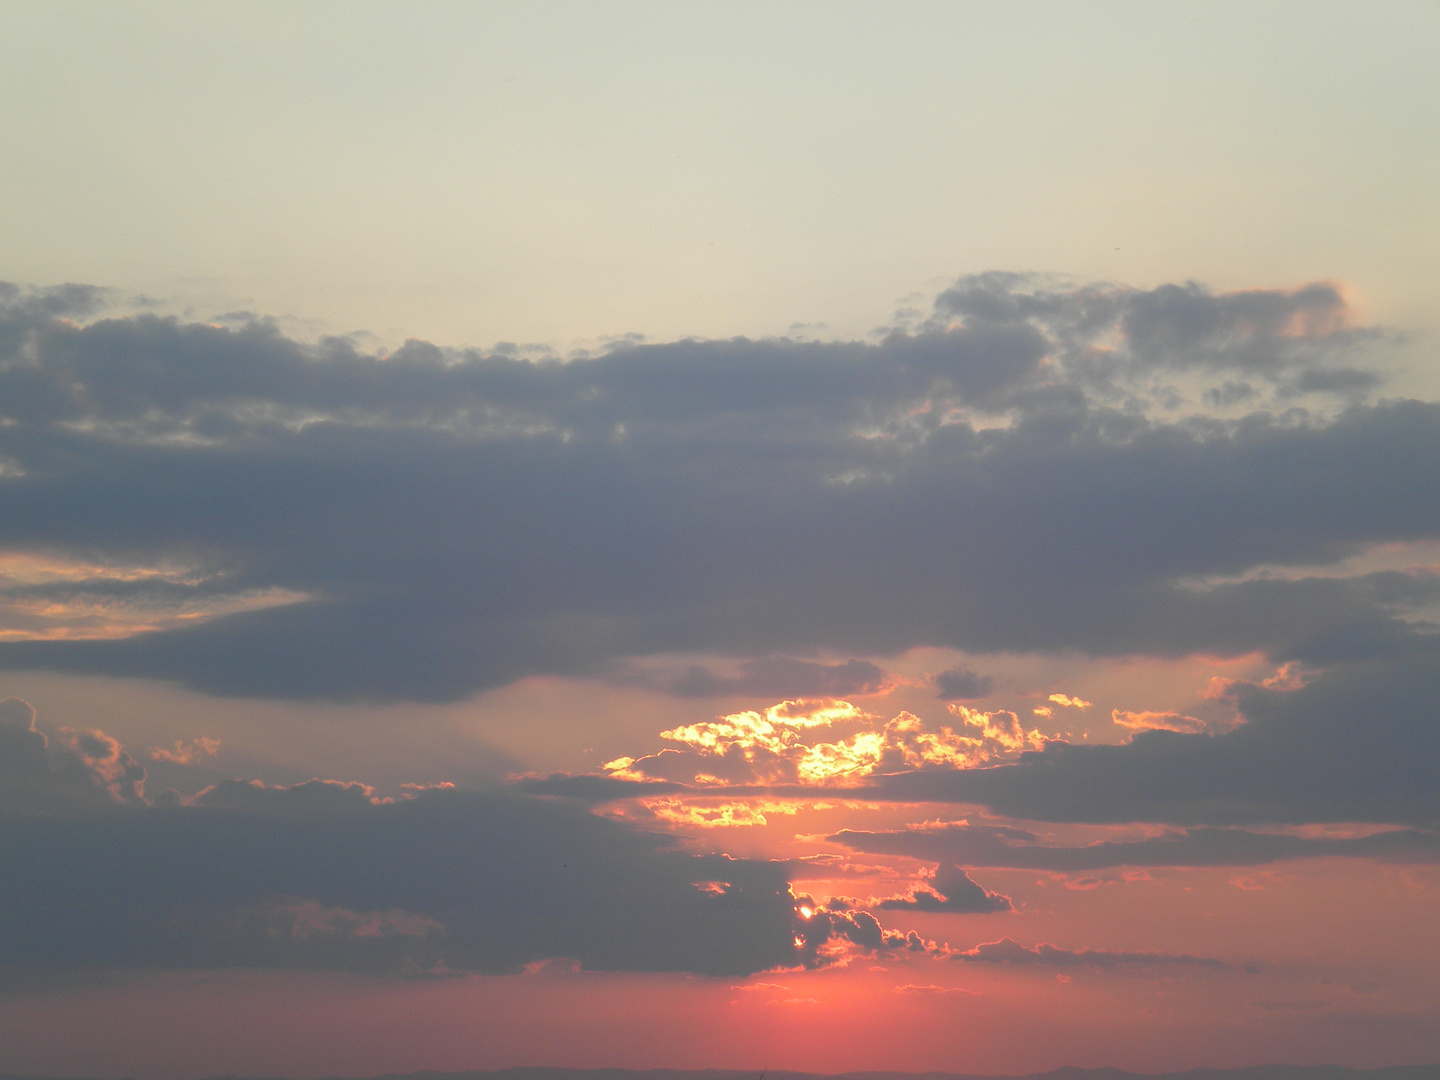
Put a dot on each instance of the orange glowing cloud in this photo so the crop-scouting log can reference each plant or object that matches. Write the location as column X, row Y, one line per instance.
column 797, row 742
column 1159, row 721
column 730, row 814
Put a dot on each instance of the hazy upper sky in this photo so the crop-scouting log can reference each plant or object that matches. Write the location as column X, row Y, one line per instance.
column 818, row 536
column 555, row 173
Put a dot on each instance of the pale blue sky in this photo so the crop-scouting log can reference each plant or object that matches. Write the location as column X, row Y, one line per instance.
column 560, row 172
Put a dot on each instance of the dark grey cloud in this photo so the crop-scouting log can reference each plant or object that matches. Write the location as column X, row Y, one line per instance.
column 1358, row 743
column 324, row 874
column 459, row 520
column 1109, row 337
column 954, row 892
column 1009, row 951
column 318, row 876
column 68, row 301
column 962, row 684
column 981, row 845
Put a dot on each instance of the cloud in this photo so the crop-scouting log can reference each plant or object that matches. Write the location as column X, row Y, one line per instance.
column 962, row 684
column 1352, row 744
column 586, row 787
column 319, row 875
column 824, row 742
column 428, row 523
column 1158, row 721
column 1000, row 846
column 186, row 753
column 326, row 874
column 85, row 770
column 312, row 797
column 833, row 937
column 1009, row 951
column 953, row 892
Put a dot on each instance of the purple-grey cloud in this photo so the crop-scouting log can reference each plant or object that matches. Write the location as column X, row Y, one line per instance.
column 1009, row 951
column 454, row 520
column 990, row 846
column 962, row 684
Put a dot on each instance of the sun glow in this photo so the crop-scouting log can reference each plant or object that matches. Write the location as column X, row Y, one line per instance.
column 785, row 744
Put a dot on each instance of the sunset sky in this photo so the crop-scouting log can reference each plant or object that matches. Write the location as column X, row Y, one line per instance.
column 824, row 536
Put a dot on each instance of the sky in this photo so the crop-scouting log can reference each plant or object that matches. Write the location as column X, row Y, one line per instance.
column 824, row 537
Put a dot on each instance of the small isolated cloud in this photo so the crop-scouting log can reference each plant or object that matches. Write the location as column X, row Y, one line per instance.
column 930, row 989
column 950, row 890
column 833, row 937
column 962, row 684
column 1070, row 702
column 1009, row 951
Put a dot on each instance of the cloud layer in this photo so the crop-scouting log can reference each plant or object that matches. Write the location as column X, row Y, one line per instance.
column 1032, row 467
column 319, row 876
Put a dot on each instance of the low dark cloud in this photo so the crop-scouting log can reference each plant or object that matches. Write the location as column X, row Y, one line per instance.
column 319, row 876
column 990, row 846
column 1009, row 951
column 454, row 520
column 325, row 874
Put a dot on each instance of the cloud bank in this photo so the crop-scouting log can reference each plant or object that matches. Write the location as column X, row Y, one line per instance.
column 319, row 876
column 1033, row 467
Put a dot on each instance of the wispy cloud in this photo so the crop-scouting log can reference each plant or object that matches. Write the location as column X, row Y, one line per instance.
column 1009, row 951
